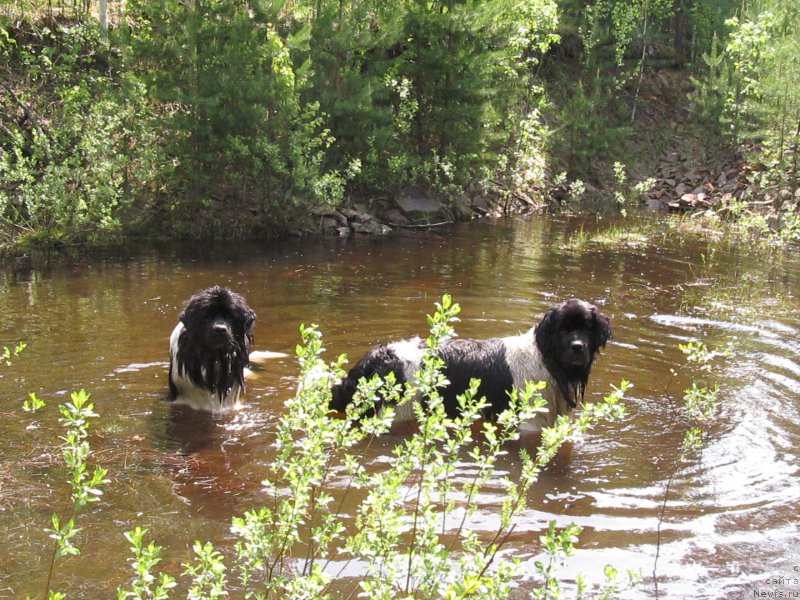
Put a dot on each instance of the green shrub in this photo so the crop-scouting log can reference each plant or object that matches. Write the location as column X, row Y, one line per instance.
column 763, row 99
column 69, row 177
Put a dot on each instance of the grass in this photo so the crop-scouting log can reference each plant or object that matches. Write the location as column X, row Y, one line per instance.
column 649, row 230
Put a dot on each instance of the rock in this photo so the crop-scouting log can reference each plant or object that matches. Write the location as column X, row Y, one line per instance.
column 370, row 226
column 675, row 206
column 343, row 231
column 784, row 199
column 481, row 204
column 463, row 207
column 321, row 211
column 395, row 216
column 703, row 200
column 417, row 200
column 774, row 221
column 350, row 213
column 327, row 215
column 329, row 223
column 655, row 205
column 672, row 157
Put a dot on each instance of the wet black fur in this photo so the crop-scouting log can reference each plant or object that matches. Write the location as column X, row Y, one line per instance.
column 568, row 337
column 380, row 361
column 223, row 351
column 558, row 335
column 466, row 359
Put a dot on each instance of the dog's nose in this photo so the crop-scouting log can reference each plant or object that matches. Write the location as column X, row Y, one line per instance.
column 578, row 346
column 219, row 328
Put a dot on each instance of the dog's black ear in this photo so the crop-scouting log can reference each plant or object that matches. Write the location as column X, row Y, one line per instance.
column 190, row 316
column 250, row 318
column 547, row 332
column 602, row 328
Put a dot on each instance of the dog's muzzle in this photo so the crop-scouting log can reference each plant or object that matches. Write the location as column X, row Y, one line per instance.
column 220, row 334
column 579, row 353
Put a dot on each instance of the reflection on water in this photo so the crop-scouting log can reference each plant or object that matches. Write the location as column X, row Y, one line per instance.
column 102, row 324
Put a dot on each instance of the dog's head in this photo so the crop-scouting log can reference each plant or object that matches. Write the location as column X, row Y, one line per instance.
column 569, row 337
column 214, row 347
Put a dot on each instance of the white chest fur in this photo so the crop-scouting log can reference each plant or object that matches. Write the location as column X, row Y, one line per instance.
column 191, row 394
column 526, row 364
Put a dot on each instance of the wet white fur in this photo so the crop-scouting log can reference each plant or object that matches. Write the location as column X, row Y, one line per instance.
column 410, row 353
column 525, row 363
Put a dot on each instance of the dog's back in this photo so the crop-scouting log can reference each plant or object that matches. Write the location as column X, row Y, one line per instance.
column 560, row 351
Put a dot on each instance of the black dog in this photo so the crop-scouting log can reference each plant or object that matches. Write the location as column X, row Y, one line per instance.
column 209, row 350
column 560, row 350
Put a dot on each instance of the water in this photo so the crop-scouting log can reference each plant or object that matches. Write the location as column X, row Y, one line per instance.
column 730, row 524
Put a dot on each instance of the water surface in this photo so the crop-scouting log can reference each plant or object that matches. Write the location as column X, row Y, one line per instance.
column 730, row 523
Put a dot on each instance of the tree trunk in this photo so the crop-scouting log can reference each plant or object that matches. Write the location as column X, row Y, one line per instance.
column 794, row 163
column 102, row 9
column 682, row 30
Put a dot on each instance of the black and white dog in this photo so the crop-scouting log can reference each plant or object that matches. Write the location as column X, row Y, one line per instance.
column 209, row 350
column 559, row 350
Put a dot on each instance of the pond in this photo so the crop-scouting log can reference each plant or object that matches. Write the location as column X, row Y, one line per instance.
column 729, row 527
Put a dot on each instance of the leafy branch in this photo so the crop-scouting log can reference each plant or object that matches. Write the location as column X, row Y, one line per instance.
column 697, row 411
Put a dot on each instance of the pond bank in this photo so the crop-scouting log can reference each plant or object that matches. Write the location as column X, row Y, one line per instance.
column 723, row 191
column 415, row 208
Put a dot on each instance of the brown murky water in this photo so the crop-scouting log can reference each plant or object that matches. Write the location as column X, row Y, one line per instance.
column 731, row 523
